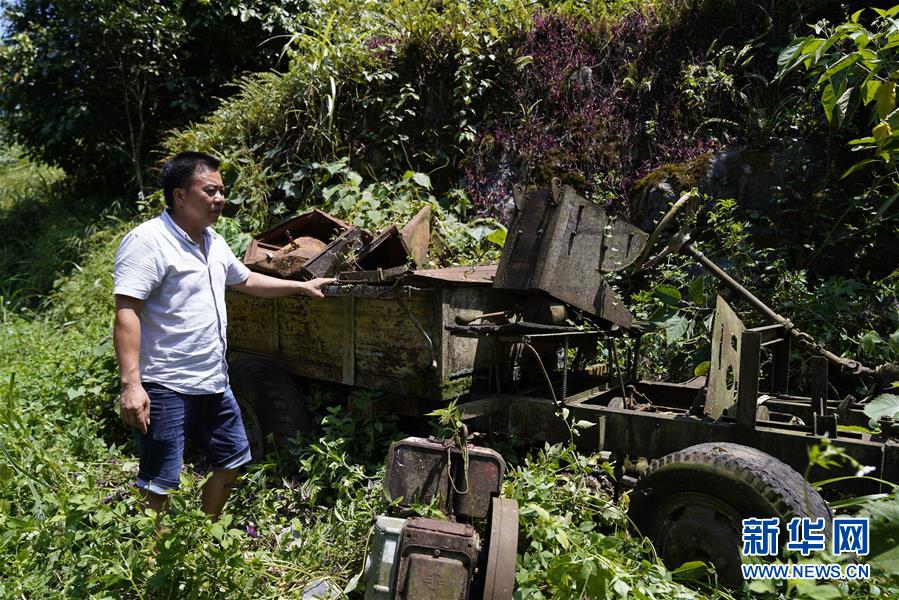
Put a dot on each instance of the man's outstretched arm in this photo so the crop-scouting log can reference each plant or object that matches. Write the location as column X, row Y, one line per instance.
column 135, row 403
column 264, row 286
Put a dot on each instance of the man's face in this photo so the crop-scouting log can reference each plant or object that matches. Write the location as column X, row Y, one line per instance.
column 200, row 202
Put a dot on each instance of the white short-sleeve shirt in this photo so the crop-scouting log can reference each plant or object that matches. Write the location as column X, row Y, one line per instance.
column 183, row 321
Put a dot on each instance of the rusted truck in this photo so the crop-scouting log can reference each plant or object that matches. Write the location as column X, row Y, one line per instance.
column 516, row 345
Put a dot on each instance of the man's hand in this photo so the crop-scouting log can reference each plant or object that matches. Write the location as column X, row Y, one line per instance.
column 314, row 286
column 134, row 405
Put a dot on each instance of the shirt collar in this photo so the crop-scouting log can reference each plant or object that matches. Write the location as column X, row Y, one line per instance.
column 209, row 233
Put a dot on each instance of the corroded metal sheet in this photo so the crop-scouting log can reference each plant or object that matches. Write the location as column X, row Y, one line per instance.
column 310, row 334
column 421, row 470
column 252, row 324
column 464, row 355
column 502, row 550
column 391, row 351
column 387, row 250
column 330, row 260
column 481, row 274
column 560, row 243
column 369, row 339
column 437, row 560
column 417, row 235
column 724, row 368
column 284, row 249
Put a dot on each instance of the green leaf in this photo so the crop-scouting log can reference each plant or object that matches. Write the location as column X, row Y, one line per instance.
column 667, row 294
column 498, row 237
column 675, row 328
column 884, row 532
column 693, row 570
column 354, row 178
column 810, row 589
column 886, row 99
column 869, row 342
column 789, row 56
column 696, row 291
column 884, row 405
column 702, row 368
column 842, row 105
column 844, row 63
column 859, row 165
column 352, row 583
column 869, row 90
column 423, row 180
column 761, row 586
column 828, row 101
column 217, row 531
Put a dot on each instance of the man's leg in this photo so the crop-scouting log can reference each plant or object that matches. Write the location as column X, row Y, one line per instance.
column 161, row 448
column 223, row 435
column 216, row 491
column 155, row 501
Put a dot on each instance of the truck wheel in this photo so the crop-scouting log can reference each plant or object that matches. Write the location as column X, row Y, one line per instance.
column 691, row 503
column 270, row 404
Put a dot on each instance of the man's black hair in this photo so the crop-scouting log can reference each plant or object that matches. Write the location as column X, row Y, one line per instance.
column 178, row 171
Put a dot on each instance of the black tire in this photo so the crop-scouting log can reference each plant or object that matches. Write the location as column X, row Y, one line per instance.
column 691, row 503
column 270, row 403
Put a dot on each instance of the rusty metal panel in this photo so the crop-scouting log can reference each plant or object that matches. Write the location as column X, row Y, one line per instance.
column 310, row 335
column 283, row 249
column 561, row 243
column 724, row 368
column 748, row 385
column 437, row 559
column 387, row 250
column 481, row 274
column 417, row 235
column 472, row 494
column 420, row 470
column 463, row 355
column 252, row 324
column 378, row 275
column 391, row 352
column 362, row 335
column 349, row 340
column 330, row 260
column 417, row 472
column 653, row 435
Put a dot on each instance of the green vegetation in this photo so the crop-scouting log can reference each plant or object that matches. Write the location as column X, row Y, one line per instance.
column 372, row 110
column 91, row 86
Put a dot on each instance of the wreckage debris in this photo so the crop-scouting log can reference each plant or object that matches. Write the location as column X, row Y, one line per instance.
column 316, row 244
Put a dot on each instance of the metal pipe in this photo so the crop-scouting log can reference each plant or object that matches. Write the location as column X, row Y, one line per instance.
column 549, row 382
column 803, row 340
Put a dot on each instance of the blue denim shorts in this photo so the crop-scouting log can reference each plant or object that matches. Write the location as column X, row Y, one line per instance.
column 212, row 421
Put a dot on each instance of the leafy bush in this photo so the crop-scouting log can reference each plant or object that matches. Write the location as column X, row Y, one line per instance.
column 90, row 86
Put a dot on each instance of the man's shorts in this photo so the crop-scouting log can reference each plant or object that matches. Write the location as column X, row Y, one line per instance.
column 212, row 421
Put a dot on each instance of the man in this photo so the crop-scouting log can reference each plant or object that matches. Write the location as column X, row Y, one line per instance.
column 170, row 278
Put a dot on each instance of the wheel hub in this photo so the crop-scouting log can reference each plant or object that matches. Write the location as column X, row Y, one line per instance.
column 693, row 526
